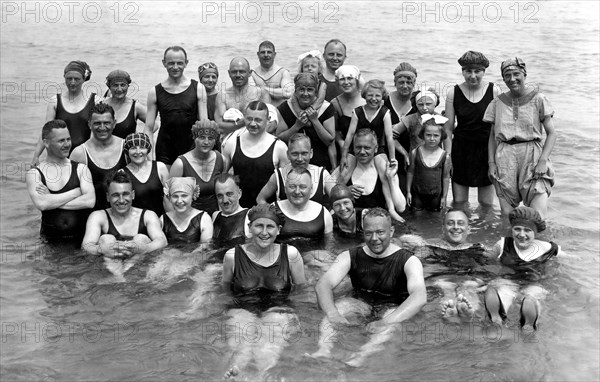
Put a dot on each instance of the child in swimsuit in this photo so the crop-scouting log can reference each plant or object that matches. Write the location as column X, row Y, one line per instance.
column 428, row 175
column 425, row 102
column 310, row 62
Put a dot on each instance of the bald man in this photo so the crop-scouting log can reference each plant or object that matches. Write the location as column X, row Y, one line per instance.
column 238, row 95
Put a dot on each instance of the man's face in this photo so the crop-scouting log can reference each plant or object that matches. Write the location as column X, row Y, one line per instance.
column 59, row 143
column 102, row 125
column 378, row 233
column 266, row 56
column 256, row 121
column 120, row 196
column 300, row 153
column 365, row 147
column 228, row 196
column 335, row 55
column 175, row 63
column 239, row 72
column 456, row 227
column 298, row 188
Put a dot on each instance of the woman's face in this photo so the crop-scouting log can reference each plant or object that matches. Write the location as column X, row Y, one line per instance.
column 181, row 201
column 306, row 94
column 264, row 232
column 119, row 89
column 425, row 105
column 473, row 76
column 138, row 154
column 404, row 85
column 209, row 81
column 514, row 79
column 348, row 84
column 343, row 208
column 523, row 236
column 204, row 143
column 73, row 81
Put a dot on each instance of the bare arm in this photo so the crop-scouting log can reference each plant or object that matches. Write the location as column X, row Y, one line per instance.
column 93, row 231
column 329, row 181
column 327, row 284
column 202, row 102
column 152, row 111
column 140, row 111
column 410, row 173
column 449, row 125
column 387, row 193
column 87, row 199
column 44, row 200
column 207, row 229
column 228, row 268
column 389, row 136
column 155, row 233
column 163, row 175
column 492, row 145
column 296, row 265
column 268, row 190
column 39, row 146
column 446, row 180
column 280, row 158
column 348, row 140
column 284, row 132
column 176, row 169
column 328, row 222
column 226, row 127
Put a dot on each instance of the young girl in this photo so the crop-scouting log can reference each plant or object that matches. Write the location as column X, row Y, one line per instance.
column 525, row 255
column 425, row 102
column 428, row 175
column 310, row 62
column 373, row 115
column 185, row 224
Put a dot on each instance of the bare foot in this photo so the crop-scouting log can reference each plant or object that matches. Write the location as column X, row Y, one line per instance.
column 356, row 360
column 232, row 373
column 449, row 309
column 319, row 354
column 464, row 307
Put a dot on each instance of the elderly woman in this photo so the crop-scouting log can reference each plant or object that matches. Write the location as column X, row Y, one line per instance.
column 304, row 218
column 260, row 275
column 318, row 125
column 203, row 163
column 526, row 255
column 127, row 110
column 208, row 74
column 348, row 77
column 468, row 141
column 74, row 108
column 347, row 219
column 519, row 157
column 399, row 104
column 147, row 176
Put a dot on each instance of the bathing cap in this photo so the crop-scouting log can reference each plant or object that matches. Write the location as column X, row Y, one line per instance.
column 182, row 184
column 404, row 69
column 473, row 59
column 427, row 93
column 80, row 67
column 515, row 63
column 527, row 217
column 209, row 131
column 340, row 191
column 137, row 140
column 347, row 71
column 267, row 211
column 117, row 75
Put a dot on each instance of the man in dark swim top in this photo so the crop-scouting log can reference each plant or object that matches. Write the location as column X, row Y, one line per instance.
column 231, row 222
column 122, row 231
column 381, row 273
column 62, row 189
column 270, row 77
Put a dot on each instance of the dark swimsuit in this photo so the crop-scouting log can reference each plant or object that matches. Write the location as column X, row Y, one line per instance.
column 375, row 199
column 427, row 187
column 148, row 195
column 207, row 200
column 178, row 113
column 318, row 197
column 229, row 230
column 112, row 230
column 77, row 123
column 60, row 223
column 254, row 173
column 379, row 280
column 312, row 229
column 529, row 270
column 211, row 105
column 99, row 176
column 333, row 89
column 191, row 234
column 470, row 141
column 126, row 126
column 376, row 124
column 358, row 230
column 320, row 154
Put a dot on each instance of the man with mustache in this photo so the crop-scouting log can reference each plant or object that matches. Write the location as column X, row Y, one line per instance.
column 231, row 222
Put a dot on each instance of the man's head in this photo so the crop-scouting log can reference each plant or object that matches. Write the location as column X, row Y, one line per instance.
column 456, row 227
column 299, row 150
column 298, row 186
column 120, row 193
column 228, row 191
column 102, row 121
column 266, row 54
column 334, row 54
column 365, row 145
column 239, row 71
column 378, row 229
column 57, row 138
column 175, row 60
column 257, row 117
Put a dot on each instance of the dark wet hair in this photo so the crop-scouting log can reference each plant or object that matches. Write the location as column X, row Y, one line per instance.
column 101, row 108
column 224, row 177
column 258, row 106
column 175, row 48
column 51, row 125
column 431, row 122
column 118, row 176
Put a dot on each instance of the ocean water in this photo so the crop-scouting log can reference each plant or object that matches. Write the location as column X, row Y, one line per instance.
column 62, row 316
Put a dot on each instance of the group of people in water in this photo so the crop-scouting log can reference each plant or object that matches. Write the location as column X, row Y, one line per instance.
column 250, row 168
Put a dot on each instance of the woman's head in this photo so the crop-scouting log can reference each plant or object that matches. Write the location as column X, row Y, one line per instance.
column 137, row 146
column 473, row 66
column 514, row 72
column 348, row 77
column 75, row 74
column 310, row 62
column 306, row 89
column 426, row 101
column 204, row 136
column 208, row 74
column 342, row 201
column 525, row 223
column 374, row 92
column 266, row 221
column 405, row 77
column 118, row 83
column 181, row 191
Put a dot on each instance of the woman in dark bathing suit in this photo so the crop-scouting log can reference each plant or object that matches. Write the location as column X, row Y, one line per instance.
column 127, row 111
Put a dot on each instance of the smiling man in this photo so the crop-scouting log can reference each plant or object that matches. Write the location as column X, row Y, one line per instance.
column 455, row 230
column 270, row 77
column 103, row 153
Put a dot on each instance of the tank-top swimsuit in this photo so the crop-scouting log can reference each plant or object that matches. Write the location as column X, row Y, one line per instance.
column 254, row 173
column 207, row 200
column 149, row 194
column 77, row 123
column 192, row 234
column 318, row 197
column 112, row 230
column 128, row 125
column 312, row 229
column 99, row 176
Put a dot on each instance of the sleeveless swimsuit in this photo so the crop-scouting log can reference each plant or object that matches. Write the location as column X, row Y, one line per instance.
column 60, row 223
column 77, row 123
column 207, row 200
column 470, row 141
column 320, row 154
column 376, row 124
column 99, row 176
column 254, row 173
column 249, row 276
column 427, row 187
column 358, row 230
column 228, row 231
column 148, row 195
column 379, row 280
column 529, row 270
column 211, row 105
column 374, row 199
column 312, row 229
column 178, row 113
column 191, row 234
column 126, row 126
column 112, row 230
column 318, row 197
column 333, row 89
